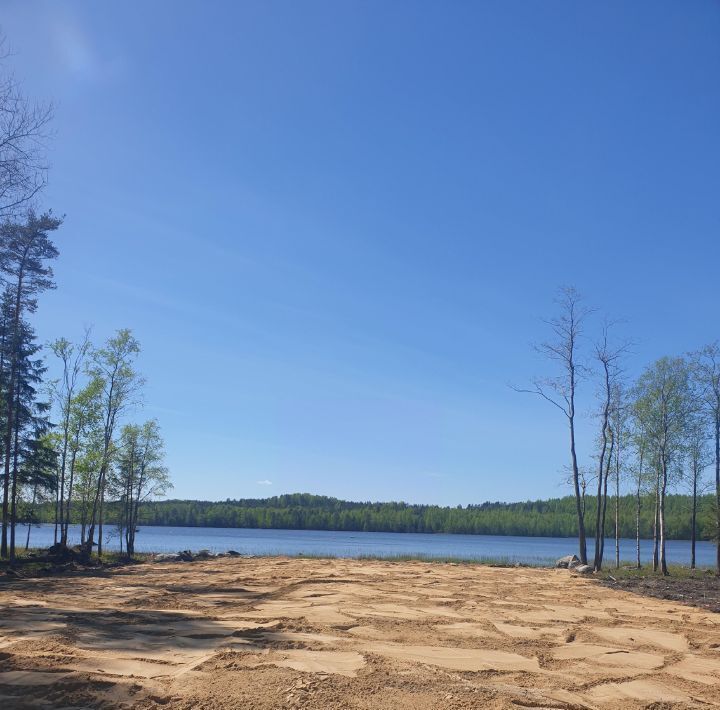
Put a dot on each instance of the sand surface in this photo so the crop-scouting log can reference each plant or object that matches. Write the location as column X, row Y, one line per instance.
column 294, row 633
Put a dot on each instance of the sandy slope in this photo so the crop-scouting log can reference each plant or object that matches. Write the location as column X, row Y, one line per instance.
column 271, row 633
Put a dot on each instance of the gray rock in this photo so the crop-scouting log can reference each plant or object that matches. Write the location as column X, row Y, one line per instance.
column 583, row 569
column 167, row 557
column 565, row 562
column 233, row 553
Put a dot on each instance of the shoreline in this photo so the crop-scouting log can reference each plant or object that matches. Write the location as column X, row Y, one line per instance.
column 330, row 531
column 484, row 560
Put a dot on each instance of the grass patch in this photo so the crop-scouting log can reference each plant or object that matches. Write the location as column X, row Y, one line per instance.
column 630, row 572
column 458, row 560
column 489, row 561
column 35, row 562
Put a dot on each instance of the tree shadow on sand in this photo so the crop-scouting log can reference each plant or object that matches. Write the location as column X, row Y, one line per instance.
column 102, row 657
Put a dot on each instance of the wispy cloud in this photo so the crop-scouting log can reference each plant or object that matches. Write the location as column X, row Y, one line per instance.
column 77, row 54
column 264, row 483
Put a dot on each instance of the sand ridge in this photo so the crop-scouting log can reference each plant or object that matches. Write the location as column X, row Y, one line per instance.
column 302, row 633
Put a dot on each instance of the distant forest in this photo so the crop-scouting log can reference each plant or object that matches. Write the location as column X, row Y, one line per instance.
column 302, row 511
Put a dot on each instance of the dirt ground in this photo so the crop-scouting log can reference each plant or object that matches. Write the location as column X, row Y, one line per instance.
column 303, row 633
column 701, row 590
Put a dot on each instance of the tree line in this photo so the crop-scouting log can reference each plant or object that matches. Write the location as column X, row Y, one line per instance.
column 64, row 440
column 302, row 511
column 656, row 433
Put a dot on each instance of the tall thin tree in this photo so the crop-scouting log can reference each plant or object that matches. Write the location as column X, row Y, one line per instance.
column 561, row 391
column 25, row 250
column 72, row 358
column 706, row 373
column 663, row 403
column 697, row 460
column 113, row 368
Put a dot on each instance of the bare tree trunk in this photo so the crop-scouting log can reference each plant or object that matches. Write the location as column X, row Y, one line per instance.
column 10, row 414
column 617, row 505
column 663, row 489
column 637, row 528
column 717, row 486
column 582, row 543
column 567, row 329
column 638, row 503
column 100, row 526
column 129, row 524
column 57, row 516
column 61, row 488
column 605, row 477
column 30, row 518
column 135, row 509
column 656, row 524
column 599, row 531
column 693, row 517
column 13, row 499
column 69, row 499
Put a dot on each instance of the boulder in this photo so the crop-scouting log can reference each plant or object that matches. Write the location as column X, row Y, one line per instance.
column 167, row 557
column 583, row 569
column 204, row 555
column 233, row 553
column 565, row 562
column 185, row 556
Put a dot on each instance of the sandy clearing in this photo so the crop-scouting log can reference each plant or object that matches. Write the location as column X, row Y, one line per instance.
column 609, row 656
column 631, row 636
column 345, row 663
column 459, row 659
column 700, row 670
column 277, row 632
column 645, row 691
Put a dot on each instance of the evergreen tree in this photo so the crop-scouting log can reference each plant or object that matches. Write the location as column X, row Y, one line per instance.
column 25, row 250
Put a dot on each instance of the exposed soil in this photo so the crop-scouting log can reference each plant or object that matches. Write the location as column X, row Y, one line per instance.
column 301, row 633
column 702, row 590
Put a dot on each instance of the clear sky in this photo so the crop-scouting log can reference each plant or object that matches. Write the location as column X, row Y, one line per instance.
column 335, row 226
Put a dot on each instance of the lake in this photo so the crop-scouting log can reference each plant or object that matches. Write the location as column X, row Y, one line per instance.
column 530, row 550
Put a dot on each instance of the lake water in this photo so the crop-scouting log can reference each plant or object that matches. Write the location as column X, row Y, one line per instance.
column 531, row 550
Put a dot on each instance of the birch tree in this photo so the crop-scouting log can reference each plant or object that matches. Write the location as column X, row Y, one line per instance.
column 706, row 374
column 561, row 390
column 697, row 459
column 72, row 358
column 607, row 359
column 619, row 426
column 663, row 405
column 641, row 445
column 140, row 475
column 113, row 370
column 83, row 425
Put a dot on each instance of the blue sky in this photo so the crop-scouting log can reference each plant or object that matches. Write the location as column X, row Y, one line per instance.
column 335, row 227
